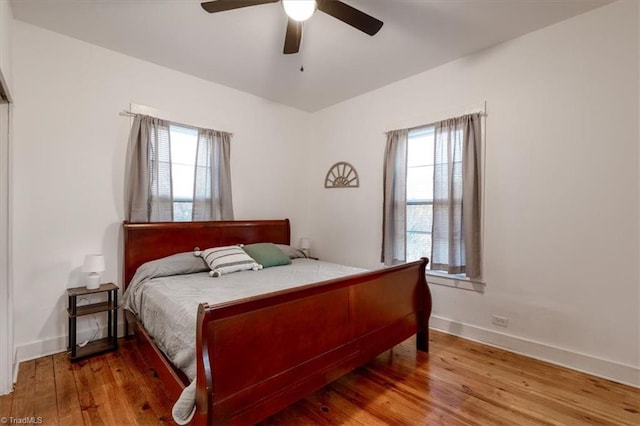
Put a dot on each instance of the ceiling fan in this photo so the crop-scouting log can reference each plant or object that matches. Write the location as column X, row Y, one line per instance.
column 299, row 11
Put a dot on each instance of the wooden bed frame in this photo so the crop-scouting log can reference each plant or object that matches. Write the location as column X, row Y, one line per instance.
column 258, row 355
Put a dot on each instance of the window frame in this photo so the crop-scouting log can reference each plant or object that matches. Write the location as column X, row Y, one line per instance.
column 439, row 277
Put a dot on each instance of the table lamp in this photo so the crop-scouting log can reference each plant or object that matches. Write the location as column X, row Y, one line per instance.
column 93, row 264
column 305, row 246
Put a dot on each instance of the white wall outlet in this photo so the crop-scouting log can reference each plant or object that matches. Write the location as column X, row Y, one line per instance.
column 501, row 321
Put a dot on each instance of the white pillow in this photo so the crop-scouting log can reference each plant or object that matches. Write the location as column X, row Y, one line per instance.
column 292, row 252
column 225, row 260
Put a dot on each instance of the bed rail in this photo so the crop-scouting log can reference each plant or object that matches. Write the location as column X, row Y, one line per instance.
column 258, row 355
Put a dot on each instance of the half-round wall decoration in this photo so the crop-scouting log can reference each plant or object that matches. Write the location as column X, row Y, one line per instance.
column 342, row 175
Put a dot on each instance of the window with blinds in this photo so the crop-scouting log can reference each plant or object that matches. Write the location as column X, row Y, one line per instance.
column 420, row 165
column 184, row 143
column 432, row 181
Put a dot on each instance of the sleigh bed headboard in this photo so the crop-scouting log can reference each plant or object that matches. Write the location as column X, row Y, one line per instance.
column 148, row 241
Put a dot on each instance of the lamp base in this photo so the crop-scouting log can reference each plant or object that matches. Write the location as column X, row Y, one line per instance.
column 93, row 281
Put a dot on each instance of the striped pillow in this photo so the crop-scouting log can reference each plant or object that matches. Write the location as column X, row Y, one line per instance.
column 225, row 260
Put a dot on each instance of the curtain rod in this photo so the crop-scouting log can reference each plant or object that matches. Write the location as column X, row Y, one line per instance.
column 125, row 113
column 480, row 113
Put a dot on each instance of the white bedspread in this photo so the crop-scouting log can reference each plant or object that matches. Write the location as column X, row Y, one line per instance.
column 167, row 306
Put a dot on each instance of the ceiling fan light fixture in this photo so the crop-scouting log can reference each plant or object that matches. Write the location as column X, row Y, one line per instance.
column 299, row 10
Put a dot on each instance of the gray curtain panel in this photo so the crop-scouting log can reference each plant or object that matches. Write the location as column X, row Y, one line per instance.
column 395, row 198
column 212, row 186
column 456, row 196
column 149, row 195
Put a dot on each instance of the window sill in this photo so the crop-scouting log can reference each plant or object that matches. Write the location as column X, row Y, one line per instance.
column 455, row 281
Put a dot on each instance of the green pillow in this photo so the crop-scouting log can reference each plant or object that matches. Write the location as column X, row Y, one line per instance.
column 267, row 254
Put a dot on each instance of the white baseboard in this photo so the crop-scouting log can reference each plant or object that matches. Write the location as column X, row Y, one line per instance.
column 621, row 373
column 15, row 366
column 626, row 374
column 40, row 348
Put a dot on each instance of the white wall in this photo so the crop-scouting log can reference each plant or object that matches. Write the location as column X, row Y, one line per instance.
column 638, row 289
column 562, row 187
column 70, row 144
column 6, row 287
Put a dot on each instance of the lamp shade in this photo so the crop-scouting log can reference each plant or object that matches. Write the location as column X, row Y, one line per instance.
column 299, row 10
column 93, row 263
column 305, row 243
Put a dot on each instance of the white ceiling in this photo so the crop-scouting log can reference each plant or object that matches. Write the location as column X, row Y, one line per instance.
column 243, row 48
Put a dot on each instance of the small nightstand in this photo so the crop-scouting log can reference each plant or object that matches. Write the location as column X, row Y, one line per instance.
column 110, row 306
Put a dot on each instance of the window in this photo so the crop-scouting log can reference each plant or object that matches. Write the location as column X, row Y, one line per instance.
column 420, row 164
column 184, row 144
column 420, row 168
column 177, row 172
column 431, row 193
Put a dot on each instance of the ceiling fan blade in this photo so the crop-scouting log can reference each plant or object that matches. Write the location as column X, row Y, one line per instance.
column 292, row 37
column 222, row 5
column 350, row 15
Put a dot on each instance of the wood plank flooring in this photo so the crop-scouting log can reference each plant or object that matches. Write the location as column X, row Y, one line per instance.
column 458, row 383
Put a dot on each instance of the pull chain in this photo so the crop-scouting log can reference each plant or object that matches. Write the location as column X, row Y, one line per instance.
column 302, row 53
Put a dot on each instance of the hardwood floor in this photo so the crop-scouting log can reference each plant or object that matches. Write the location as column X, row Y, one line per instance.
column 458, row 382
